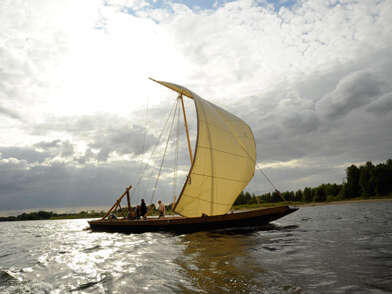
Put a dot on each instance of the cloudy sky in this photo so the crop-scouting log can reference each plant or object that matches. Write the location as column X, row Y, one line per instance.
column 79, row 118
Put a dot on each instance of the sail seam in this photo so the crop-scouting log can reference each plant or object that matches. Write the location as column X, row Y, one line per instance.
column 218, row 150
column 201, row 106
column 230, row 128
column 219, row 203
column 221, row 178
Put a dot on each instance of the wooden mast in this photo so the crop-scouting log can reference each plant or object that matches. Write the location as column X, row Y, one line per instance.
column 129, row 204
column 188, row 139
column 186, row 129
column 117, row 202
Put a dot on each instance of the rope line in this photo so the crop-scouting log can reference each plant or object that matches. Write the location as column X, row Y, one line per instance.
column 155, row 146
column 164, row 154
column 268, row 179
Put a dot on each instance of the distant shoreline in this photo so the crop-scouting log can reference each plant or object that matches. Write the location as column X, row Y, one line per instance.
column 48, row 215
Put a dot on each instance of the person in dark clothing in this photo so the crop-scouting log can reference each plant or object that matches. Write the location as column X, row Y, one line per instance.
column 143, row 209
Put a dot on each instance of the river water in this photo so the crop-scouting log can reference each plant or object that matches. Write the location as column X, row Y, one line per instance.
column 343, row 248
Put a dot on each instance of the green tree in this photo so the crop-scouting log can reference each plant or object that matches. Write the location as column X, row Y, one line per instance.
column 276, row 197
column 298, row 195
column 332, row 189
column 367, row 180
column 319, row 194
column 240, row 199
column 248, row 197
column 307, row 195
column 253, row 199
column 352, row 187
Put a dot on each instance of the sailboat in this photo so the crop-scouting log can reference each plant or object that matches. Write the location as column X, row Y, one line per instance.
column 223, row 163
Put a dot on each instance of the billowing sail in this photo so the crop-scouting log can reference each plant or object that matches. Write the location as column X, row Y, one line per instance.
column 224, row 162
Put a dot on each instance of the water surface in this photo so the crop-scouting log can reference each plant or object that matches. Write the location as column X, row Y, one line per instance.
column 322, row 249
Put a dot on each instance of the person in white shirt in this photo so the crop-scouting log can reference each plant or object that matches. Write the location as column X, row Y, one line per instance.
column 161, row 209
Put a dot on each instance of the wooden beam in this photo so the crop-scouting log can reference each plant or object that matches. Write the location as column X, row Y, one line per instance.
column 121, row 211
column 129, row 204
column 186, row 129
column 117, row 202
column 174, row 202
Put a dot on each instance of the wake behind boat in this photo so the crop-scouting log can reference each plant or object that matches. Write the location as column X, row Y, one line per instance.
column 223, row 164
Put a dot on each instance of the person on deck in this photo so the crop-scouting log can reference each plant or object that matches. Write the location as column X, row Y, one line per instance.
column 143, row 209
column 161, row 209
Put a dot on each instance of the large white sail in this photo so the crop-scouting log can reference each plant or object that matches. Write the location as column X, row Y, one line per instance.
column 224, row 161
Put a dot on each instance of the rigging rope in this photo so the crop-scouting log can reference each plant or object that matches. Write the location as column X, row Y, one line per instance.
column 164, row 154
column 142, row 163
column 268, row 179
column 253, row 159
column 146, row 164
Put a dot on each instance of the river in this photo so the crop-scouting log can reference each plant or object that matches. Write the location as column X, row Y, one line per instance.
column 343, row 248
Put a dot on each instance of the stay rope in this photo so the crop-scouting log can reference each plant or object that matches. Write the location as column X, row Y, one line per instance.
column 146, row 164
column 268, row 179
column 164, row 153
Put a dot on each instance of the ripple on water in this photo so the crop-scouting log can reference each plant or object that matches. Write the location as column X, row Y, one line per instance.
column 315, row 250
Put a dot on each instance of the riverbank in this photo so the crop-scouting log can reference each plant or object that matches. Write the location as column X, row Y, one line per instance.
column 48, row 215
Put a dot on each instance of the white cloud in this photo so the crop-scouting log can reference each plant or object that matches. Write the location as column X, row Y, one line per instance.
column 312, row 80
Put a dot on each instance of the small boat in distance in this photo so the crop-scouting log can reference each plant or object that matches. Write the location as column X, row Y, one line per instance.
column 224, row 162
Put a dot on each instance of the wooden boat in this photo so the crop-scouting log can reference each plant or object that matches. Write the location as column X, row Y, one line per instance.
column 223, row 164
column 175, row 224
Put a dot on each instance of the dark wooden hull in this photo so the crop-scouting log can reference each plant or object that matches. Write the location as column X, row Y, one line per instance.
column 256, row 217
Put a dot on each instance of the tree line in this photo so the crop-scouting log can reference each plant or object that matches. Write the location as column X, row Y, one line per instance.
column 365, row 181
column 44, row 215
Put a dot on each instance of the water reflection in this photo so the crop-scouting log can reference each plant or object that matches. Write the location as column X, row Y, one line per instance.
column 219, row 262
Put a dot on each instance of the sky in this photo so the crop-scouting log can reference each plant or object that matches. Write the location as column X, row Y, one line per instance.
column 79, row 118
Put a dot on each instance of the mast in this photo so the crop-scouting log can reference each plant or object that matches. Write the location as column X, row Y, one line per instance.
column 186, row 128
column 223, row 163
column 129, row 203
column 115, row 205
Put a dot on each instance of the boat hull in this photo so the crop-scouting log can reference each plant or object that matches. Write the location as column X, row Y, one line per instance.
column 250, row 218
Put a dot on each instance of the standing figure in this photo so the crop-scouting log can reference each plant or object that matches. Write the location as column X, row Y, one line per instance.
column 161, row 209
column 143, row 209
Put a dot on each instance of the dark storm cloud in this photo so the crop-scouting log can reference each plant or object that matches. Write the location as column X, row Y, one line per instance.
column 382, row 106
column 29, row 179
column 63, row 185
column 302, row 122
column 104, row 133
column 331, row 119
column 57, row 147
column 353, row 91
column 39, row 152
column 122, row 140
column 28, row 154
